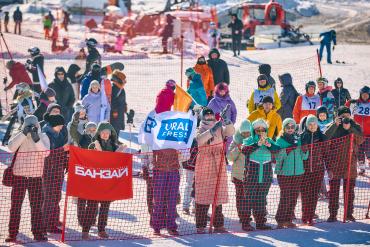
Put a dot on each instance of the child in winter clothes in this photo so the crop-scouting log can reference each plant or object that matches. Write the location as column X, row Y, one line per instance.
column 237, row 157
column 196, row 88
column 306, row 104
column 341, row 94
column 289, row 170
column 322, row 117
column 105, row 140
column 166, row 97
column 54, row 170
column 28, row 176
column 208, row 171
column 314, row 167
column 205, row 72
column 220, row 100
column 79, row 117
column 326, row 96
column 92, row 103
column 258, row 173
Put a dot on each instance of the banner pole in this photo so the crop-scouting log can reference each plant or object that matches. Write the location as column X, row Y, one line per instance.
column 346, row 196
column 65, row 212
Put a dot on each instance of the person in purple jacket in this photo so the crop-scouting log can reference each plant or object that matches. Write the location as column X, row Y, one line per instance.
column 220, row 101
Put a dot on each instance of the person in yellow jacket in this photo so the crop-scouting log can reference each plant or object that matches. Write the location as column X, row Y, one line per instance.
column 263, row 90
column 206, row 73
column 267, row 112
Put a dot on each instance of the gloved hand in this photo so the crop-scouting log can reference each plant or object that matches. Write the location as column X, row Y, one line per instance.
column 333, row 47
column 76, row 117
column 35, row 135
column 197, row 109
column 26, row 130
column 214, row 129
column 223, row 115
column 6, row 88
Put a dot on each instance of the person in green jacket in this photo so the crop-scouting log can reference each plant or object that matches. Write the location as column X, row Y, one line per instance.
column 236, row 156
column 289, row 170
column 258, row 150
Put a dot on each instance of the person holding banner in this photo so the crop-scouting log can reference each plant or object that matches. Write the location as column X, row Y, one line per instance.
column 105, row 140
column 166, row 97
column 210, row 170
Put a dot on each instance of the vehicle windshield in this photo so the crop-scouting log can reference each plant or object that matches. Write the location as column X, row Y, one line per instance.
column 257, row 14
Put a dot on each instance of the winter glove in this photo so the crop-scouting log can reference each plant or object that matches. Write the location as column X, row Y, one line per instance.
column 6, row 88
column 224, row 111
column 35, row 135
column 26, row 130
column 214, row 129
column 76, row 117
column 130, row 116
column 333, row 47
column 197, row 109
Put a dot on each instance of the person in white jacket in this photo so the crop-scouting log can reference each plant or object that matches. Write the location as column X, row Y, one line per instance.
column 30, row 147
column 214, row 36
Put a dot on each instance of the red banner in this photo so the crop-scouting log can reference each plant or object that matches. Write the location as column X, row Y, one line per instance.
column 102, row 176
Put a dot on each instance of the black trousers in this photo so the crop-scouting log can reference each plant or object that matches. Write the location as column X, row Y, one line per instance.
column 334, row 195
column 289, row 191
column 34, row 187
column 201, row 216
column 87, row 210
column 237, row 41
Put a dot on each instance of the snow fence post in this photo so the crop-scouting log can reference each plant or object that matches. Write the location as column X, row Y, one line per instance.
column 65, row 213
column 182, row 57
column 319, row 62
column 346, row 196
column 214, row 204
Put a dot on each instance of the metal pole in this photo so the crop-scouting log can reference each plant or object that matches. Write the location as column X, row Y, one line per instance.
column 346, row 196
column 319, row 62
column 182, row 58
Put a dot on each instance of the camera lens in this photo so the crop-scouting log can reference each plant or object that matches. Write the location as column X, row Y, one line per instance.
column 346, row 120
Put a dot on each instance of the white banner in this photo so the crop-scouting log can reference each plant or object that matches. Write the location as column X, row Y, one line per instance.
column 169, row 129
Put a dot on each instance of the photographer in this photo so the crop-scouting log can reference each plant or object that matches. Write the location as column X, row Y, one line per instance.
column 31, row 65
column 342, row 126
column 27, row 176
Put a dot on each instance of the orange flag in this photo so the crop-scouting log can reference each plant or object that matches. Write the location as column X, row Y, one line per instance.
column 182, row 101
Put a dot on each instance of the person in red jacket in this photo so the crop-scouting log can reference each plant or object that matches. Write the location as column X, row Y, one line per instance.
column 306, row 104
column 360, row 109
column 166, row 97
column 18, row 73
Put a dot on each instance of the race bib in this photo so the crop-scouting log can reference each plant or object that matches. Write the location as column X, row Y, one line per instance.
column 311, row 103
column 260, row 94
column 362, row 109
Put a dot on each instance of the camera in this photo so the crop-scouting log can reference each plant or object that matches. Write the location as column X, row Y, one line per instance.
column 346, row 120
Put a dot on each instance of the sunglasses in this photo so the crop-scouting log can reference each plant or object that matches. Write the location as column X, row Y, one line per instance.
column 260, row 130
column 292, row 127
column 60, row 73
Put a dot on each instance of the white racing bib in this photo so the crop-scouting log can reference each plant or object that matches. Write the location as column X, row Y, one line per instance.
column 362, row 109
column 311, row 103
column 260, row 94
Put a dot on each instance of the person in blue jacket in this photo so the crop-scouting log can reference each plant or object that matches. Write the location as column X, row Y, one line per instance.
column 196, row 88
column 325, row 41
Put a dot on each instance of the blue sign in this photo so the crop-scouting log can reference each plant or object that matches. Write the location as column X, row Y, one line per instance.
column 150, row 123
column 177, row 130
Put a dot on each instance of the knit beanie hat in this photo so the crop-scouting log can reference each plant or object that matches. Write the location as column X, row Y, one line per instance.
column 56, row 120
column 322, row 109
column 343, row 110
column 52, row 106
column 30, row 120
column 259, row 123
column 205, row 112
column 190, row 72
column 171, row 84
column 323, row 80
column 289, row 121
column 90, row 125
column 365, row 89
column 311, row 119
column 245, row 126
column 49, row 92
column 78, row 107
column 267, row 99
column 118, row 76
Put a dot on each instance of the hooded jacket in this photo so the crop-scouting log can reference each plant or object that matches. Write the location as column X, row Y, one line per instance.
column 235, row 154
column 111, row 145
column 288, row 96
column 207, row 77
column 196, row 90
column 72, row 70
column 219, row 68
column 23, row 165
column 265, row 69
column 262, row 92
column 340, row 155
column 92, row 103
column 36, row 60
column 289, row 161
column 165, row 100
column 327, row 100
column 341, row 95
column 272, row 118
column 258, row 163
column 360, row 112
column 18, row 74
column 218, row 103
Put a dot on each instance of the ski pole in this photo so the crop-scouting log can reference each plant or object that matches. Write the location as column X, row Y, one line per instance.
column 367, row 214
column 6, row 45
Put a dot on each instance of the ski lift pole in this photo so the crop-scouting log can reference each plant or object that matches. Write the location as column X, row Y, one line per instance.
column 6, row 45
column 182, row 57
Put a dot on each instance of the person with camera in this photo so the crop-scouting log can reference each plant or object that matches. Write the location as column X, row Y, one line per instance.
column 343, row 126
column 37, row 59
column 27, row 176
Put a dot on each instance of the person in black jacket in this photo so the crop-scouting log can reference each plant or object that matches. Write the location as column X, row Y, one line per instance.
column 64, row 92
column 288, row 96
column 167, row 32
column 118, row 104
column 74, row 74
column 37, row 59
column 314, row 166
column 46, row 98
column 219, row 67
column 18, row 18
column 265, row 69
column 6, row 21
column 236, row 26
column 341, row 94
column 93, row 54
